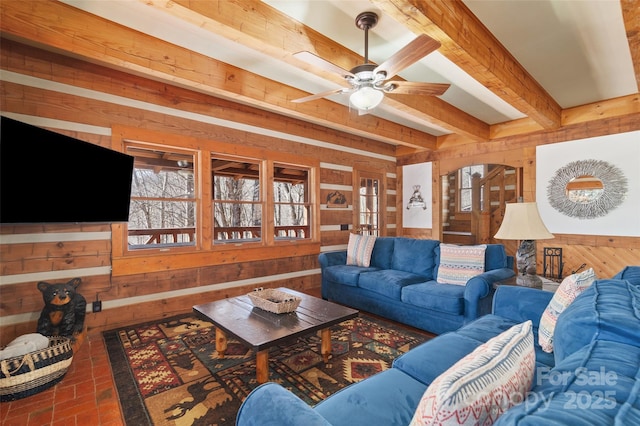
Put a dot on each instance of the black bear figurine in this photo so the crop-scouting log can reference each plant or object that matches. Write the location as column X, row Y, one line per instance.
column 64, row 309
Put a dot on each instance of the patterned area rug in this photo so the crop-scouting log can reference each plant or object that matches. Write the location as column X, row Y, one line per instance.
column 168, row 372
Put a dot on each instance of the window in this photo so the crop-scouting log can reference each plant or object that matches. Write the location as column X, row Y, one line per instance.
column 237, row 201
column 466, row 177
column 197, row 195
column 163, row 203
column 291, row 206
column 465, row 186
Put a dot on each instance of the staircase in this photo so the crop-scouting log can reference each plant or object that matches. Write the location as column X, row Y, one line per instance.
column 490, row 194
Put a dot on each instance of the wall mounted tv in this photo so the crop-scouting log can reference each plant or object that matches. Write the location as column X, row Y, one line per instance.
column 46, row 177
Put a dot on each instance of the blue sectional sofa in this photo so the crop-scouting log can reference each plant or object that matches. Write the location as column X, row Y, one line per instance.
column 400, row 284
column 592, row 378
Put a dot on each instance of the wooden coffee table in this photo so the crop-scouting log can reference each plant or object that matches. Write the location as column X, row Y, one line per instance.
column 261, row 330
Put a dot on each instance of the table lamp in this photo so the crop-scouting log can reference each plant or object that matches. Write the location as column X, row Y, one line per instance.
column 522, row 222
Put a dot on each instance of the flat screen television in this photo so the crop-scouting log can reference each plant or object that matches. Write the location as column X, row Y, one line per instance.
column 46, row 177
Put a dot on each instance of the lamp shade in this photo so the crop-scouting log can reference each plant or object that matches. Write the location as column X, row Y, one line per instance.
column 522, row 222
column 366, row 98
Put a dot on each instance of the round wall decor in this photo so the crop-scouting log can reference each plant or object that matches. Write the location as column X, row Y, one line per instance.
column 587, row 189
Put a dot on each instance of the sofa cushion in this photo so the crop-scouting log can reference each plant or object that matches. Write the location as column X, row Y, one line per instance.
column 596, row 385
column 345, row 274
column 414, row 255
column 428, row 360
column 608, row 310
column 447, row 298
column 569, row 289
column 482, row 385
column 359, row 249
column 383, row 252
column 488, row 326
column 495, row 257
column 388, row 282
column 458, row 264
column 387, row 398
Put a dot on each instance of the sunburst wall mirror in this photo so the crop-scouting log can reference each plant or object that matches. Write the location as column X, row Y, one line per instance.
column 587, row 189
column 589, row 186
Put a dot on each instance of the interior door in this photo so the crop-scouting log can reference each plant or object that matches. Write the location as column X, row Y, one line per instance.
column 369, row 219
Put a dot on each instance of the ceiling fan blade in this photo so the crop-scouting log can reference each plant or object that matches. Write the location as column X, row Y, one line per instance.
column 321, row 95
column 317, row 61
column 417, row 88
column 420, row 47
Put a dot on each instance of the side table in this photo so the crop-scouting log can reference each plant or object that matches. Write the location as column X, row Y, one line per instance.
column 547, row 284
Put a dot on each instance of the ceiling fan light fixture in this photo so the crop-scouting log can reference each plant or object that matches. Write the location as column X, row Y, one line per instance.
column 366, row 98
column 368, row 81
column 388, row 88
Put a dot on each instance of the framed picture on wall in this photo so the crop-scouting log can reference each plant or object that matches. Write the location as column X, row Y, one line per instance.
column 337, row 200
column 417, row 196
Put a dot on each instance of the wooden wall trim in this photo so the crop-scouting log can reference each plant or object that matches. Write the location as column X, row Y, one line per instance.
column 137, row 264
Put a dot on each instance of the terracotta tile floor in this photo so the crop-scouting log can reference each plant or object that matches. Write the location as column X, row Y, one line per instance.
column 85, row 396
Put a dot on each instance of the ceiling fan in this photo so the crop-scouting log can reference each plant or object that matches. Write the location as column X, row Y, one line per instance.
column 369, row 82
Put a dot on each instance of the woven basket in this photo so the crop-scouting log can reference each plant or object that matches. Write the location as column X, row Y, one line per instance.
column 36, row 371
column 275, row 301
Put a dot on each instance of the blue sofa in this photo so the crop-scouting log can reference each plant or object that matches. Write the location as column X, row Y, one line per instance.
column 400, row 284
column 592, row 378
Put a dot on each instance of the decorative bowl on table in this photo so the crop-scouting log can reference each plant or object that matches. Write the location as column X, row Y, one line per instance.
column 275, row 301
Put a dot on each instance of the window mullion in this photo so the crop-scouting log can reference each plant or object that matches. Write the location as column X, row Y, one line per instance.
column 268, row 220
column 205, row 198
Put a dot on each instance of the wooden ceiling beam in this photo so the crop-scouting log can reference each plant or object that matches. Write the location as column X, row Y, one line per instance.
column 631, row 17
column 265, row 29
column 64, row 29
column 468, row 43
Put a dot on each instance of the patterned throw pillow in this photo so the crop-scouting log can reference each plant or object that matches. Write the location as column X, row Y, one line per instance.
column 568, row 290
column 359, row 249
column 484, row 384
column 458, row 264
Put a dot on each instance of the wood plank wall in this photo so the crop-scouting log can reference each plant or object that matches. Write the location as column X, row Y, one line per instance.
column 606, row 254
column 87, row 101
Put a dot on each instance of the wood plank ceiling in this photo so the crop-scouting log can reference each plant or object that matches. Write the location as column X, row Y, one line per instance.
column 171, row 41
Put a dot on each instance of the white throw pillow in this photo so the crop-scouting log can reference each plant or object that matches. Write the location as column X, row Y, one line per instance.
column 24, row 344
column 477, row 389
column 359, row 249
column 569, row 289
column 458, row 264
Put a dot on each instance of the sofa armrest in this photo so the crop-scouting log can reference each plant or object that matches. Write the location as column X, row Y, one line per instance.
column 480, row 287
column 272, row 405
column 331, row 258
column 521, row 303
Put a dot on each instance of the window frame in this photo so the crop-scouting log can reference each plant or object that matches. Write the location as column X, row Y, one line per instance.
column 358, row 175
column 197, row 202
column 127, row 262
column 460, row 188
column 307, row 200
column 261, row 202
